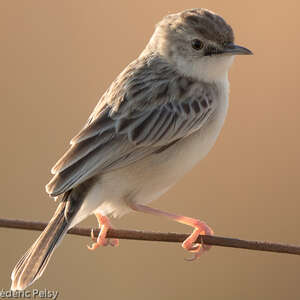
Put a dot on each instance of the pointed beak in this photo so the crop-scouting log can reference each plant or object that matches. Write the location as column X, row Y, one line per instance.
column 236, row 50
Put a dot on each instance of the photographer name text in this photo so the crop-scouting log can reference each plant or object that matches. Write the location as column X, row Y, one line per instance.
column 28, row 294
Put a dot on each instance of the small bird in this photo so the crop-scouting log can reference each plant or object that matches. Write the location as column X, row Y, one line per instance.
column 157, row 120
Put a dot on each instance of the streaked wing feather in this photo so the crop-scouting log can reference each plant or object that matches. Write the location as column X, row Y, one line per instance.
column 82, row 149
column 134, row 118
column 101, row 124
column 112, row 149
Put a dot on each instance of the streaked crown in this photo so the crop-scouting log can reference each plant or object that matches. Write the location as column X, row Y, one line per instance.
column 177, row 29
column 198, row 42
column 208, row 24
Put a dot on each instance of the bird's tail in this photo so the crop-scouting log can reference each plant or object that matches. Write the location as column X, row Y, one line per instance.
column 33, row 263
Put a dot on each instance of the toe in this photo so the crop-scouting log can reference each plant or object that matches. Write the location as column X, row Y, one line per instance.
column 196, row 255
column 93, row 247
column 196, row 248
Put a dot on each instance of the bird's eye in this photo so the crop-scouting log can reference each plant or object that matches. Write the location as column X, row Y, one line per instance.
column 197, row 44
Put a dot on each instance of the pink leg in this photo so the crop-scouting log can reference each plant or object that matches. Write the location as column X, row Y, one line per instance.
column 200, row 228
column 101, row 240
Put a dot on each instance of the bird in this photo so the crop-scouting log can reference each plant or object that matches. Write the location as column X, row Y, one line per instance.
column 159, row 118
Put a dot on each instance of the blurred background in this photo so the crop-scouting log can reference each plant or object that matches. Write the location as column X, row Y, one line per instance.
column 58, row 57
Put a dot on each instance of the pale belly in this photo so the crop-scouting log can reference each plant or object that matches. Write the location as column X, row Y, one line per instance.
column 146, row 180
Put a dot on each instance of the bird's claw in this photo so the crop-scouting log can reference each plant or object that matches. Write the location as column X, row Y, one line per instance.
column 102, row 240
column 201, row 228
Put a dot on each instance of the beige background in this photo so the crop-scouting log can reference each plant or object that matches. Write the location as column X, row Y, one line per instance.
column 58, row 57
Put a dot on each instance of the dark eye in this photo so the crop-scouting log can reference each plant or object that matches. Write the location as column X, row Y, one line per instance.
column 197, row 44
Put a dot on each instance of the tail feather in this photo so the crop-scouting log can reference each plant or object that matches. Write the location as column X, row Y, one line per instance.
column 33, row 263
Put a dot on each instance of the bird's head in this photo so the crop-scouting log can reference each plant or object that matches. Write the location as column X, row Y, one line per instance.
column 198, row 42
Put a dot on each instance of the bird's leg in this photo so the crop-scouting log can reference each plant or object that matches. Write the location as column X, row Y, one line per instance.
column 101, row 240
column 200, row 228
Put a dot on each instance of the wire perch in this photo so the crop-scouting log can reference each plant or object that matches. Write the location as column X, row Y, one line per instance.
column 161, row 237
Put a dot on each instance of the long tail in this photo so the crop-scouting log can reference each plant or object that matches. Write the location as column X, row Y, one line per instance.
column 33, row 263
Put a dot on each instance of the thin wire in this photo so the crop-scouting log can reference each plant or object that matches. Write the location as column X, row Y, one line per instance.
column 161, row 237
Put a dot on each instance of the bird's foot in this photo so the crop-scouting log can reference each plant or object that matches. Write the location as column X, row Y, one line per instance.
column 102, row 240
column 200, row 228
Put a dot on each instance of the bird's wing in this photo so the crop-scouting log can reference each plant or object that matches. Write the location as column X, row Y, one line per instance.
column 116, row 136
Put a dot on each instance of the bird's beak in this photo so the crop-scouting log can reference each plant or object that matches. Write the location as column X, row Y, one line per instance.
column 236, row 50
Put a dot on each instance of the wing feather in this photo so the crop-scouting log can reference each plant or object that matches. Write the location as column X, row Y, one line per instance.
column 125, row 128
